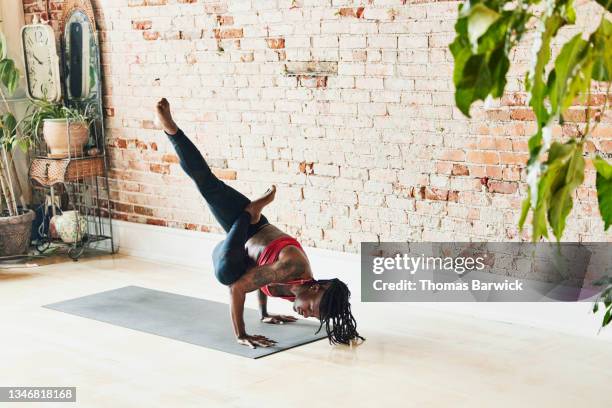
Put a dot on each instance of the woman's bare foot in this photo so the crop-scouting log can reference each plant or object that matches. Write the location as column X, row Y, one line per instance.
column 254, row 208
column 165, row 117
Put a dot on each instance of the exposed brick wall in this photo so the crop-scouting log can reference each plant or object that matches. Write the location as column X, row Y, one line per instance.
column 45, row 10
column 347, row 106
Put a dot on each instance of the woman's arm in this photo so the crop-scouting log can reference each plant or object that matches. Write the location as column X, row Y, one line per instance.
column 237, row 314
column 271, row 318
column 237, row 298
column 238, row 291
column 254, row 279
column 263, row 304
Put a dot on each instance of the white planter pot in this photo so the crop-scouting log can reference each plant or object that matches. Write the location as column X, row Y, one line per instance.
column 60, row 144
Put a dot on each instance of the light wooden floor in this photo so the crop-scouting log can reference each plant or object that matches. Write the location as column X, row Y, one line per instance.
column 413, row 357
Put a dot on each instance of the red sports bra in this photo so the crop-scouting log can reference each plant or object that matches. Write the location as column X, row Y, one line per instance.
column 270, row 255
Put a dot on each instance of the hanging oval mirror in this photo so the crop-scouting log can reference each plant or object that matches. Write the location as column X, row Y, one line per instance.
column 82, row 87
column 80, row 58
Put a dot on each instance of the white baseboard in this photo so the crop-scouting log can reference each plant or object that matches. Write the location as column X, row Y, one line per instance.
column 168, row 245
column 194, row 249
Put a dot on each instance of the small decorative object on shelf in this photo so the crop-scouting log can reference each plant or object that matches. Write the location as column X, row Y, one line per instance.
column 70, row 226
column 69, row 160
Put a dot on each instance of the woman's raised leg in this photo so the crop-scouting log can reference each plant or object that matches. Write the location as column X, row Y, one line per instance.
column 226, row 203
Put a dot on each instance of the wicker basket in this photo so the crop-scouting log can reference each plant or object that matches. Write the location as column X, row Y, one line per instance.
column 48, row 172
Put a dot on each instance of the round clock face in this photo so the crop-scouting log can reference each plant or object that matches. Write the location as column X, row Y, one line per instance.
column 41, row 62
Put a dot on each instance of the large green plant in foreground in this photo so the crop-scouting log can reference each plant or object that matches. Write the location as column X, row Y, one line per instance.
column 487, row 31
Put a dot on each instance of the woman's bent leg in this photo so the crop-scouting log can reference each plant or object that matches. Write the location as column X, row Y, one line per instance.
column 230, row 256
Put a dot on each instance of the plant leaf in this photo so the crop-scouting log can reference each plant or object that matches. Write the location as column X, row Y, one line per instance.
column 9, row 126
column 498, row 66
column 603, row 182
column 9, row 75
column 525, row 210
column 535, row 145
column 550, row 189
column 601, row 40
column 603, row 167
column 24, row 143
column 2, row 46
column 480, row 51
column 561, row 202
column 559, row 152
column 537, row 87
column 607, row 318
column 9, row 122
column 538, row 222
column 479, row 20
column 474, row 84
column 567, row 69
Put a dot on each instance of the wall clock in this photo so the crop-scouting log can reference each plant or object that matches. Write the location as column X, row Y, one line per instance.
column 41, row 62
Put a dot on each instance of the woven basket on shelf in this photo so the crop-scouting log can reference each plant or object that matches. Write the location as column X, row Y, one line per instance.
column 48, row 172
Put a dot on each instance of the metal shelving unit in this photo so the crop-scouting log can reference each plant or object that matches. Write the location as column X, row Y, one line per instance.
column 80, row 179
column 83, row 183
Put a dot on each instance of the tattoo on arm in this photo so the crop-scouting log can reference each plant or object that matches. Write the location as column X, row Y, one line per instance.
column 292, row 269
column 262, row 277
column 257, row 277
column 281, row 271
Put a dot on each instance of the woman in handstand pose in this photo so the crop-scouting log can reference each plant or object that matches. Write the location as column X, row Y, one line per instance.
column 256, row 255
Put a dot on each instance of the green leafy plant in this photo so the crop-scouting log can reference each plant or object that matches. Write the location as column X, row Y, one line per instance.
column 10, row 137
column 486, row 33
column 605, row 298
column 603, row 183
column 41, row 110
column 9, row 75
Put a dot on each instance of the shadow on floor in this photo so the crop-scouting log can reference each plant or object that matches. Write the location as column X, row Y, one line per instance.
column 14, row 276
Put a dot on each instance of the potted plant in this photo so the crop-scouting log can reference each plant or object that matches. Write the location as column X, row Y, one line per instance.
column 15, row 223
column 65, row 130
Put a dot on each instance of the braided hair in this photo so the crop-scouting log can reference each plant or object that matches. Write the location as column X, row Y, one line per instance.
column 335, row 313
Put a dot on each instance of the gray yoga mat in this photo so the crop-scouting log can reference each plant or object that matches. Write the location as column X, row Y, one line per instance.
column 191, row 320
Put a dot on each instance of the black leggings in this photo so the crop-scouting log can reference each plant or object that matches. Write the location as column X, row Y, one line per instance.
column 227, row 205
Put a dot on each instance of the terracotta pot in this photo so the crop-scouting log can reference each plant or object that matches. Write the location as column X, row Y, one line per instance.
column 55, row 132
column 15, row 233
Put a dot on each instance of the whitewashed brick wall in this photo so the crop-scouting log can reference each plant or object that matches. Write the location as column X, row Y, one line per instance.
column 364, row 142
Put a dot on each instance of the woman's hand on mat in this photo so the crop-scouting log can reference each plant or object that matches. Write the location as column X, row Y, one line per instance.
column 255, row 340
column 278, row 319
